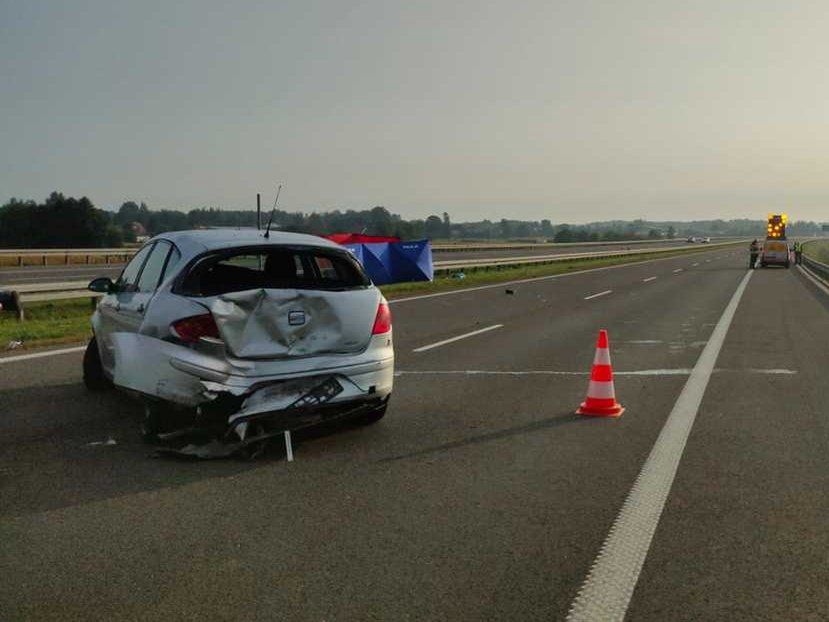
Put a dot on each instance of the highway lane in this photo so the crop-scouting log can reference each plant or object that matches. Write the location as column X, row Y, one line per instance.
column 479, row 496
column 50, row 274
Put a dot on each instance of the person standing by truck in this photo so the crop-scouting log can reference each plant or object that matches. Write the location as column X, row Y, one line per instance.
column 754, row 250
column 798, row 251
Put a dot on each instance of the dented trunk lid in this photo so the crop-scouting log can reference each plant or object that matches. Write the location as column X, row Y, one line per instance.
column 289, row 323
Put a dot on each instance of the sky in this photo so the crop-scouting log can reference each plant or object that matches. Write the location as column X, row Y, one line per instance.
column 574, row 111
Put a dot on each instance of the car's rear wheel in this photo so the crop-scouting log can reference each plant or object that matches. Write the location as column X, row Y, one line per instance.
column 94, row 378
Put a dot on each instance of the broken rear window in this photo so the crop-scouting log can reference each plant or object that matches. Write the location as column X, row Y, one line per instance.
column 273, row 269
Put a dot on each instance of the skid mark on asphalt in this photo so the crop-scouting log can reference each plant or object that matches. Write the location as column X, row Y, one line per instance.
column 527, row 428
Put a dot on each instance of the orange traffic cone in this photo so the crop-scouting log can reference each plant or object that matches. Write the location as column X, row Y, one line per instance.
column 601, row 395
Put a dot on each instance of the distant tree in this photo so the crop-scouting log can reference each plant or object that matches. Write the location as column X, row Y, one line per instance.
column 547, row 228
column 447, row 226
column 564, row 234
column 380, row 221
column 433, row 228
column 654, row 234
column 505, row 228
column 671, row 232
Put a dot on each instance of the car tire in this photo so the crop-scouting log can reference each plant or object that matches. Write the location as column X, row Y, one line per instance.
column 94, row 378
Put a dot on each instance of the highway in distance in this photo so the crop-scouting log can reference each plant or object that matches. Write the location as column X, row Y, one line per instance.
column 78, row 272
column 481, row 495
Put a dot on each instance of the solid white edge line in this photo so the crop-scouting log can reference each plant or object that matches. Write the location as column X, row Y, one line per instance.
column 549, row 277
column 459, row 337
column 604, row 293
column 37, row 355
column 649, row 279
column 608, row 588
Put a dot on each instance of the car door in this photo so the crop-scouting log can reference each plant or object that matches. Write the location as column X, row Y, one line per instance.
column 133, row 304
column 110, row 320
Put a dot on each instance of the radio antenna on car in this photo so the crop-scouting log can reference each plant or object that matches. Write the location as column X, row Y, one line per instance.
column 258, row 211
column 270, row 220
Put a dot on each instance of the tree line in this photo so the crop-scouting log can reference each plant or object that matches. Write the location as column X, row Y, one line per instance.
column 62, row 221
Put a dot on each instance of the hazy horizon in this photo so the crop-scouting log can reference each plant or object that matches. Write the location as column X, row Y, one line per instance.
column 575, row 112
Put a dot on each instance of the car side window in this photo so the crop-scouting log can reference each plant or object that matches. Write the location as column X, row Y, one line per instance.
column 172, row 261
column 151, row 274
column 127, row 282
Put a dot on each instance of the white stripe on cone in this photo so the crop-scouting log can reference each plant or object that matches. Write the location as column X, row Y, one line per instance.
column 602, row 357
column 601, row 390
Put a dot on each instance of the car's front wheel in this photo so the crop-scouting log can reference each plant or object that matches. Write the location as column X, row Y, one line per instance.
column 94, row 378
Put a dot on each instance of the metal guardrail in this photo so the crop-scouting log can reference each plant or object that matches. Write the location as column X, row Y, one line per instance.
column 33, row 292
column 473, row 265
column 66, row 256
column 821, row 270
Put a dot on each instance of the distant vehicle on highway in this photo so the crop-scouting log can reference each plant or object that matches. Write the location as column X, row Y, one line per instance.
column 698, row 240
column 248, row 334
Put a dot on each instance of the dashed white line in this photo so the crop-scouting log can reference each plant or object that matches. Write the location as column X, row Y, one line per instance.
column 678, row 270
column 649, row 279
column 694, row 265
column 453, row 339
column 604, row 293
column 609, row 586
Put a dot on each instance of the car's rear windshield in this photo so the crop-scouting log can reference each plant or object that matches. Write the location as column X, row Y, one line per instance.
column 279, row 268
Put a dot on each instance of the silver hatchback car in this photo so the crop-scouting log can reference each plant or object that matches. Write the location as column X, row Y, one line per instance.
column 252, row 335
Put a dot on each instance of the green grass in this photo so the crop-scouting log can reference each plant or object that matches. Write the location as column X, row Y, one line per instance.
column 819, row 251
column 48, row 323
column 67, row 321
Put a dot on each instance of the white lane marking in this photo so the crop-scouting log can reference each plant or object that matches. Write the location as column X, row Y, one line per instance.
column 37, row 355
column 464, row 336
column 551, row 372
column 649, row 279
column 608, row 588
column 694, row 265
column 678, row 270
column 549, row 277
column 644, row 341
column 604, row 293
column 707, row 261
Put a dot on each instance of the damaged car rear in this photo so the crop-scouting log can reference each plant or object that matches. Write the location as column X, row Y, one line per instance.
column 236, row 337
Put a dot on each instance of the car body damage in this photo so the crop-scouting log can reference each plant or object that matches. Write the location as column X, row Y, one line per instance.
column 268, row 323
column 252, row 363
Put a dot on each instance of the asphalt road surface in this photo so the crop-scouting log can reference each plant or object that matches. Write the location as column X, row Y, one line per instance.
column 52, row 274
column 480, row 496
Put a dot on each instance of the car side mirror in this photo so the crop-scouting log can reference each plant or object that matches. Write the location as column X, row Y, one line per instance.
column 102, row 285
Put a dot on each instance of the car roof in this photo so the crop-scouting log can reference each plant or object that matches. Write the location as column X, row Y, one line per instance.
column 200, row 240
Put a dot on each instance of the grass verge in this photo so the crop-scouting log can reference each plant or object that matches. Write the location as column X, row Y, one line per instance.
column 67, row 321
column 48, row 323
column 819, row 251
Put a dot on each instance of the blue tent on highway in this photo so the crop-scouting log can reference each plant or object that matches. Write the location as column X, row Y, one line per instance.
column 395, row 262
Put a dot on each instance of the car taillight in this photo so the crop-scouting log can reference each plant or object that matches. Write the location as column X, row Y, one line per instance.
column 191, row 329
column 382, row 321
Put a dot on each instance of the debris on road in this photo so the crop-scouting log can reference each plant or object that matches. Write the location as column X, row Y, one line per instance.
column 509, row 292
column 14, row 344
column 109, row 441
column 458, row 275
